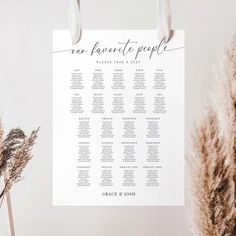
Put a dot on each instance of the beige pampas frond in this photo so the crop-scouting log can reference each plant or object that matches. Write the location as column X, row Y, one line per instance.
column 18, row 161
column 212, row 187
column 1, row 148
column 225, row 102
column 212, row 164
column 14, row 139
column 1, row 140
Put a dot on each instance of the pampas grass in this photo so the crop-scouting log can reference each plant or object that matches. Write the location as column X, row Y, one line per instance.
column 15, row 153
column 14, row 139
column 1, row 144
column 212, row 163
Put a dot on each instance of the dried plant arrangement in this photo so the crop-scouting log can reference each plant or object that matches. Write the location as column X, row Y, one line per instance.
column 15, row 153
column 211, row 165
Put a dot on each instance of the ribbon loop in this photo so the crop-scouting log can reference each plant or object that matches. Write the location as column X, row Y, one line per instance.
column 74, row 21
column 164, row 20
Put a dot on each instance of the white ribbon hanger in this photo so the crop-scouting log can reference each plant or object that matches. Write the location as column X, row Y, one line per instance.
column 163, row 20
column 74, row 21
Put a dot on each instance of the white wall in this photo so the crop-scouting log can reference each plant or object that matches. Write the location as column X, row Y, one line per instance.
column 25, row 100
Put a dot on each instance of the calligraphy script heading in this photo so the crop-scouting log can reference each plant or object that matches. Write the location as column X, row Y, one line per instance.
column 125, row 48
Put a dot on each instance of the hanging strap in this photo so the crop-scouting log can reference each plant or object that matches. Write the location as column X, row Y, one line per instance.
column 163, row 20
column 74, row 21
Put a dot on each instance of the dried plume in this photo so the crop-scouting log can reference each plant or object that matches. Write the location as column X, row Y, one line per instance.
column 212, row 163
column 1, row 144
column 14, row 139
column 20, row 157
column 211, row 175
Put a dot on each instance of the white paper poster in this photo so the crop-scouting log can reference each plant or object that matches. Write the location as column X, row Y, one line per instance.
column 118, row 119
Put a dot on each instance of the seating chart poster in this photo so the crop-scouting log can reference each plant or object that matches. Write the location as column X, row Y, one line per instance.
column 118, row 119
